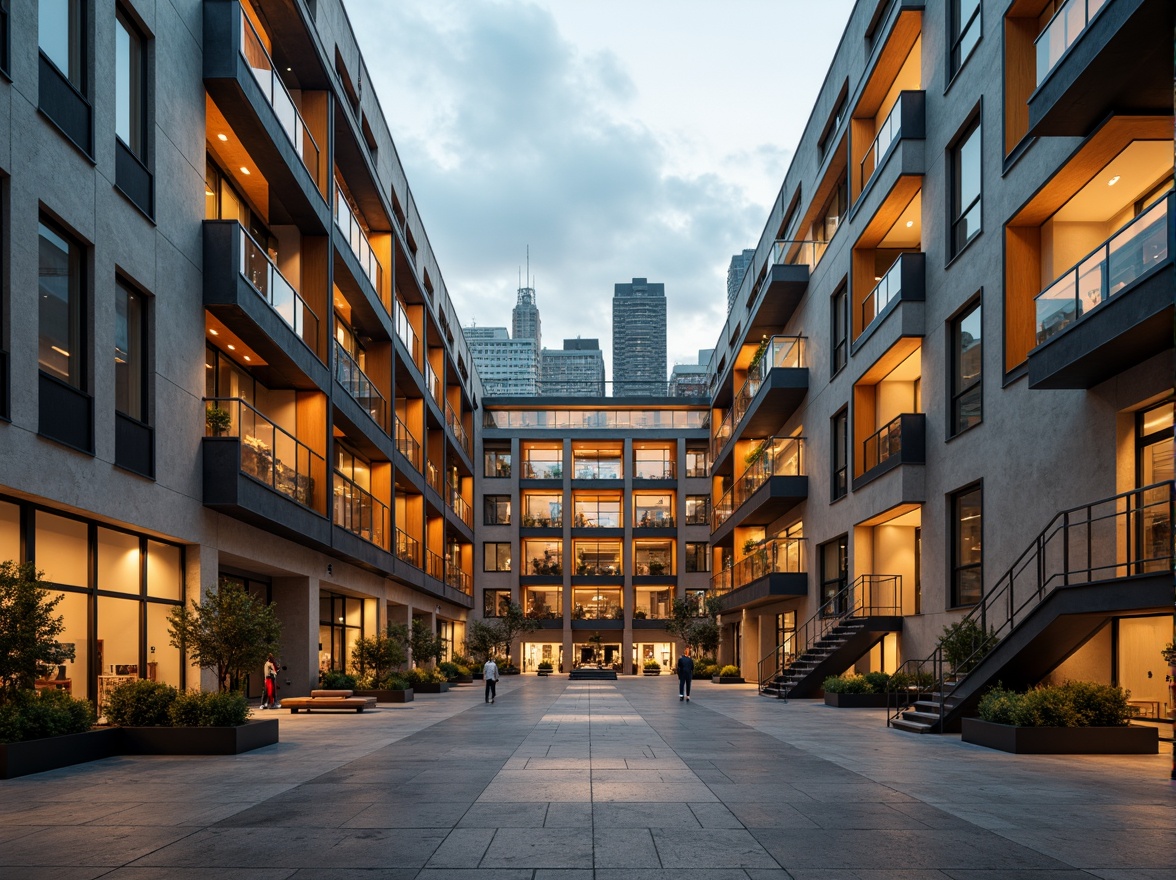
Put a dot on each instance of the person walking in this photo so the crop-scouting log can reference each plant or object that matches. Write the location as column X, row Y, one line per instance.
column 490, row 673
column 270, row 699
column 685, row 675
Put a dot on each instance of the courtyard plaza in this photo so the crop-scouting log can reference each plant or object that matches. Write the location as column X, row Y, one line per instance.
column 564, row 780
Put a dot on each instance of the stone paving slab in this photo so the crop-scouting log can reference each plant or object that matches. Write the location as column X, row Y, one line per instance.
column 596, row 781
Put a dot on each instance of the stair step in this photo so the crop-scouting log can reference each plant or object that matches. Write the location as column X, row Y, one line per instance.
column 928, row 718
column 911, row 726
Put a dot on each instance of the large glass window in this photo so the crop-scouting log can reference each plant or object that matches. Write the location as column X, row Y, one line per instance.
column 697, row 510
column 653, row 463
column 697, row 556
column 597, row 603
column 966, row 367
column 697, row 463
column 965, row 188
column 495, row 603
column 652, row 603
column 653, row 558
column 839, row 323
column 496, row 556
column 60, row 306
column 542, row 510
column 496, row 463
column 598, row 558
column 597, row 511
column 653, row 510
column 341, row 623
column 130, row 85
column 543, row 603
column 542, row 461
column 129, row 351
column 839, row 458
column 965, row 31
column 966, row 553
column 61, row 37
column 542, row 558
column 496, row 510
column 834, row 576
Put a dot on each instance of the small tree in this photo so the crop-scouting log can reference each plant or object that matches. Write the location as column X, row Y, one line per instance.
column 381, row 654
column 426, row 645
column 699, row 631
column 230, row 632
column 29, row 648
column 512, row 624
column 481, row 639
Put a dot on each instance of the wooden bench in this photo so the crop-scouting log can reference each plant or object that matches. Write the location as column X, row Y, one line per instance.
column 335, row 700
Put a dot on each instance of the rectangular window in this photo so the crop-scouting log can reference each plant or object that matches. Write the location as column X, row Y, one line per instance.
column 839, row 456
column 965, row 31
column 697, row 510
column 61, row 29
column 840, row 329
column 60, row 306
column 496, row 510
column 496, row 463
column 496, row 556
column 697, row 463
column 834, row 576
column 965, row 188
column 129, row 351
column 966, row 553
column 495, row 603
column 966, row 370
column 130, row 86
column 697, row 556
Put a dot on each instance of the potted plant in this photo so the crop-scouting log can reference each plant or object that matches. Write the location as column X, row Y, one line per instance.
column 217, row 420
column 639, row 614
column 651, row 667
column 728, row 675
column 857, row 691
column 656, row 567
column 1168, row 652
column 758, row 355
column 544, row 669
column 377, row 661
column 1074, row 718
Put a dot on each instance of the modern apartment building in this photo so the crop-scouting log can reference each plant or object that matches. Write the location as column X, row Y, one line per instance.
column 576, row 370
column 639, row 339
column 594, row 517
column 228, row 351
column 948, row 377
column 504, row 365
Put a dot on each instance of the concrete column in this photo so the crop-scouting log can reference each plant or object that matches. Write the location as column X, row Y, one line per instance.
column 627, row 652
column 297, row 601
column 201, row 569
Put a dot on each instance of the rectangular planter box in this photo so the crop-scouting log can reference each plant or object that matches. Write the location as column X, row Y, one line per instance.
column 383, row 696
column 651, row 672
column 433, row 687
column 199, row 740
column 39, row 755
column 1062, row 740
column 728, row 679
column 856, row 701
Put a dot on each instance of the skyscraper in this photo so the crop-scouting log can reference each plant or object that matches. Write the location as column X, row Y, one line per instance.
column 525, row 322
column 639, row 338
column 576, row 370
column 508, row 367
column 735, row 272
column 691, row 380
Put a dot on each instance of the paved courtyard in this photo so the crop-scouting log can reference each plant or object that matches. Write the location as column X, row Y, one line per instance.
column 568, row 780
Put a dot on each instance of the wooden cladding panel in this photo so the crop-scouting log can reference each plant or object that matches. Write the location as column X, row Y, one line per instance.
column 864, row 415
column 894, row 53
column 1020, row 77
column 1022, row 284
column 315, row 289
column 896, row 201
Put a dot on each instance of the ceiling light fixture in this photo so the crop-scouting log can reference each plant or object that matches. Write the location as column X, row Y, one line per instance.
column 232, row 347
column 212, row 332
column 244, row 170
column 248, row 358
column 223, row 136
column 910, row 223
column 1113, row 180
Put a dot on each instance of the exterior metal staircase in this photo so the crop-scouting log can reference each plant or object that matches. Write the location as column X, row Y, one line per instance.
column 844, row 628
column 1110, row 558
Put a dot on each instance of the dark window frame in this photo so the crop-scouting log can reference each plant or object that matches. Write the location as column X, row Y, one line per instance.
column 958, row 213
column 497, row 594
column 78, row 48
column 832, row 584
column 839, row 330
column 693, row 554
column 144, row 339
column 958, row 392
column 140, row 89
column 955, row 566
column 494, row 556
column 839, row 465
column 491, row 510
column 79, row 311
column 958, row 31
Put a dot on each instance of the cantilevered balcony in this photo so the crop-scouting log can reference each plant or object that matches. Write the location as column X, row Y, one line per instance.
column 453, row 420
column 901, row 441
column 358, row 512
column 447, row 573
column 406, row 444
column 894, row 308
column 245, row 291
column 245, row 83
column 774, row 483
column 258, row 472
column 359, row 387
column 783, row 284
column 1101, row 57
column 348, row 222
column 1112, row 310
column 774, row 568
column 408, row 549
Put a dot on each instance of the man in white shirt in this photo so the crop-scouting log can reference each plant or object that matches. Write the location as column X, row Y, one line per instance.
column 490, row 673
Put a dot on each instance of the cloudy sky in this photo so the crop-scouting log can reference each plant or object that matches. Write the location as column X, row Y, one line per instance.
column 616, row 138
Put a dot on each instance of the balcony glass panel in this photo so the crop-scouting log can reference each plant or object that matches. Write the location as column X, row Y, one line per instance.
column 883, row 443
column 542, row 510
column 458, row 429
column 359, row 512
column 460, row 506
column 1063, row 29
column 433, row 478
column 347, row 219
column 404, row 330
column 271, row 454
column 262, row 66
column 433, row 383
column 888, row 132
column 774, row 457
column 434, row 565
column 543, row 603
column 596, row 418
column 1128, row 255
column 408, row 549
column 652, row 603
column 356, row 383
column 600, row 603
column 597, row 512
column 777, row 351
column 406, row 443
column 796, row 252
column 596, row 558
column 543, row 558
column 593, row 464
column 886, row 290
column 653, row 511
column 263, row 276
column 774, row 556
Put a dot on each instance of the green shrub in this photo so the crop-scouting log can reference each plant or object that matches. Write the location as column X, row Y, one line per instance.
column 463, row 670
column 965, row 644
column 879, row 681
column 449, row 670
column 334, row 680
column 918, row 681
column 140, row 703
column 704, row 669
column 848, row 684
column 652, row 665
column 209, row 709
column 545, row 665
column 1073, row 704
column 729, row 672
column 395, row 683
column 417, row 676
column 39, row 714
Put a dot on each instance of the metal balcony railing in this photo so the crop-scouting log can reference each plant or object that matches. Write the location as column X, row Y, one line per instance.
column 776, row 351
column 773, row 457
column 889, row 288
column 458, row 429
column 406, row 443
column 888, row 132
column 883, row 443
column 263, row 276
column 408, row 549
column 773, row 556
column 357, row 384
column 433, row 478
column 359, row 512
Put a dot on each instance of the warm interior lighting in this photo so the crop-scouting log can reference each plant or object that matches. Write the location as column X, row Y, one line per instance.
column 212, row 332
column 244, row 170
column 1113, row 180
column 248, row 358
column 60, row 351
column 910, row 223
column 223, row 137
column 232, row 348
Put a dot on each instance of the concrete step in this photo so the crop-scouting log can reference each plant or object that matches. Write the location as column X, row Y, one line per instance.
column 911, row 726
column 929, row 718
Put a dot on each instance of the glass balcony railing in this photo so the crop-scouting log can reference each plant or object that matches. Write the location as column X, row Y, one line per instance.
column 796, row 252
column 347, row 220
column 458, row 579
column 1127, row 256
column 774, row 556
column 458, row 429
column 356, row 383
column 1062, row 31
column 359, row 512
column 461, row 507
column 596, row 468
column 433, row 478
column 408, row 549
column 774, row 457
column 262, row 66
column 269, row 454
column 406, row 443
column 405, row 332
column 778, row 351
column 434, row 565
column 888, row 132
column 886, row 290
column 883, row 443
column 263, row 276
column 434, row 386
column 723, row 432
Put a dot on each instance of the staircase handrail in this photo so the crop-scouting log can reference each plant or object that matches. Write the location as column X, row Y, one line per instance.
column 1128, row 508
column 833, row 612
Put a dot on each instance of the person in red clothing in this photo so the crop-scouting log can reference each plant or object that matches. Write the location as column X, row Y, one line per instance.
column 270, row 700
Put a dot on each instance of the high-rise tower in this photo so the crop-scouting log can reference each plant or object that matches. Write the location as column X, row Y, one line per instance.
column 639, row 338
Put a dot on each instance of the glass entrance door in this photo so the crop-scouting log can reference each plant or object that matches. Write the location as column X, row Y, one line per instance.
column 1154, row 464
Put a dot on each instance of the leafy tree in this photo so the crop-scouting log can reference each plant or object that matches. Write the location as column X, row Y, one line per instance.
column 231, row 632
column 426, row 645
column 512, row 624
column 700, row 632
column 482, row 638
column 381, row 654
column 29, row 648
